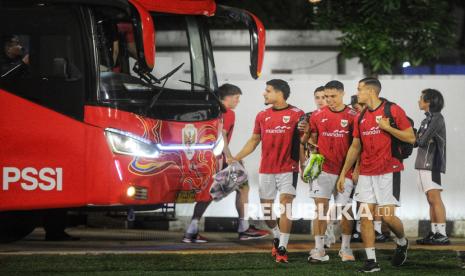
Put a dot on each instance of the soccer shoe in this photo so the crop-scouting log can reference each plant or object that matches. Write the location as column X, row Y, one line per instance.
column 369, row 266
column 274, row 248
column 194, row 238
column 253, row 233
column 439, row 239
column 356, row 237
column 427, row 239
column 281, row 256
column 400, row 255
column 317, row 256
column 313, row 167
column 347, row 255
column 380, row 237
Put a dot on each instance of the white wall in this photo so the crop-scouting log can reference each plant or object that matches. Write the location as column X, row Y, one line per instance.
column 403, row 90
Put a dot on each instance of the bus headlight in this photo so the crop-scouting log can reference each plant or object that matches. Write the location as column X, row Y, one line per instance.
column 129, row 144
column 218, row 149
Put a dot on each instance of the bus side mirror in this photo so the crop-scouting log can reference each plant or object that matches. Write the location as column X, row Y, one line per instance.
column 256, row 32
column 144, row 34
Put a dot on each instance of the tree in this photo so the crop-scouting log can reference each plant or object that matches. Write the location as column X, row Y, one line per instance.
column 385, row 33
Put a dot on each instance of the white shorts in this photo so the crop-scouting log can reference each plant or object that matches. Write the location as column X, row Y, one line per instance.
column 378, row 189
column 428, row 180
column 325, row 185
column 270, row 184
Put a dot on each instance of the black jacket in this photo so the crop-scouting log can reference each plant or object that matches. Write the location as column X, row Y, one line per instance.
column 431, row 142
column 10, row 69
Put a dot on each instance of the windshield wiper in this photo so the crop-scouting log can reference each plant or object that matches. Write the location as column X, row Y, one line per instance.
column 165, row 78
column 222, row 107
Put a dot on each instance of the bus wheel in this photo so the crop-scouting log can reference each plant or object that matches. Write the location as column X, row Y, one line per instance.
column 16, row 225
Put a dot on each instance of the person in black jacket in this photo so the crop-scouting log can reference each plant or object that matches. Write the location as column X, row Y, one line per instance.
column 14, row 60
column 431, row 162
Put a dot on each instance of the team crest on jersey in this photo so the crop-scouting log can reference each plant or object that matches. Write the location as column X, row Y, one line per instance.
column 344, row 123
column 378, row 118
column 286, row 119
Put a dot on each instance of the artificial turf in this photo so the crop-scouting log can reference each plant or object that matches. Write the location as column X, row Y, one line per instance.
column 420, row 262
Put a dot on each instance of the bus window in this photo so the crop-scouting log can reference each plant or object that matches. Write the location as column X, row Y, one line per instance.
column 42, row 59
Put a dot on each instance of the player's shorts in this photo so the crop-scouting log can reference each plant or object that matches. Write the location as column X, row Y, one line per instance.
column 325, row 185
column 270, row 184
column 428, row 180
column 378, row 189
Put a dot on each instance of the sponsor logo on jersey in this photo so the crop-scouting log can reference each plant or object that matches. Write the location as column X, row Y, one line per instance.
column 267, row 118
column 372, row 131
column 277, row 129
column 336, row 133
column 324, row 120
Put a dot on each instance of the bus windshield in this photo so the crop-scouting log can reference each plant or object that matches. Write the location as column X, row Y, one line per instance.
column 179, row 40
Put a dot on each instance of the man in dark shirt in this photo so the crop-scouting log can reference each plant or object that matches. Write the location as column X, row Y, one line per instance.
column 14, row 61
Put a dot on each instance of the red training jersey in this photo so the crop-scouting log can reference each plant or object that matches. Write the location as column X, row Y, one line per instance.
column 334, row 129
column 280, row 139
column 376, row 158
column 229, row 117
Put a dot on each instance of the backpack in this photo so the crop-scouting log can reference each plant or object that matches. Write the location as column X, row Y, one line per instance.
column 399, row 149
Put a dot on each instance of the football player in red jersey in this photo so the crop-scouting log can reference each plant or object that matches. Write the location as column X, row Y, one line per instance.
column 379, row 180
column 229, row 95
column 330, row 129
column 276, row 129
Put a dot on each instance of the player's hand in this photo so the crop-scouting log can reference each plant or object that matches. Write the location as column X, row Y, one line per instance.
column 303, row 126
column 340, row 184
column 355, row 175
column 384, row 124
column 26, row 59
column 230, row 160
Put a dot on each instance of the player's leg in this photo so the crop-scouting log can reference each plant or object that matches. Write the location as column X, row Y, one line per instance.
column 344, row 200
column 286, row 184
column 245, row 230
column 192, row 232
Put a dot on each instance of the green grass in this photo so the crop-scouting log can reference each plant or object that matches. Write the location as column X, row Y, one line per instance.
column 419, row 263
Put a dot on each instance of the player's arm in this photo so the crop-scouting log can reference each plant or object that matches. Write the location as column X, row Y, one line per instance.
column 356, row 171
column 351, row 158
column 226, row 150
column 313, row 140
column 302, row 157
column 249, row 147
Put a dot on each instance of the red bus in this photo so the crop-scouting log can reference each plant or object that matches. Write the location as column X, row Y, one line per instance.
column 89, row 118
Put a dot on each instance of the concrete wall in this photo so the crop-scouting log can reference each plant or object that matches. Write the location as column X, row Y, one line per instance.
column 402, row 90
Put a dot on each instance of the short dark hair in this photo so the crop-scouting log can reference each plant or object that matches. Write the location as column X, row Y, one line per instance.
column 280, row 85
column 319, row 89
column 353, row 100
column 7, row 39
column 228, row 90
column 334, row 84
column 372, row 82
column 434, row 98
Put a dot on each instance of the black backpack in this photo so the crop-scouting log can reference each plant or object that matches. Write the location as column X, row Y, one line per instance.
column 399, row 149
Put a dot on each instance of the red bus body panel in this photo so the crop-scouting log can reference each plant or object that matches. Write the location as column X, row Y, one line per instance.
column 36, row 137
column 191, row 7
